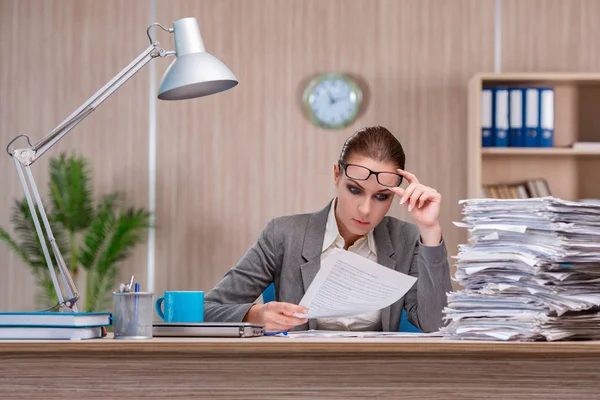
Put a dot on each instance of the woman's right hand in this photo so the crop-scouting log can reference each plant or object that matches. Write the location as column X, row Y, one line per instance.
column 276, row 316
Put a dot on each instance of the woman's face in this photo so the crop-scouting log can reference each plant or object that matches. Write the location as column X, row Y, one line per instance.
column 361, row 204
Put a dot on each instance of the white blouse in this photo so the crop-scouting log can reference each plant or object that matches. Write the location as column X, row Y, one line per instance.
column 365, row 247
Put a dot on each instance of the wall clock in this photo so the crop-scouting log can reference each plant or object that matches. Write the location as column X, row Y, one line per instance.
column 332, row 101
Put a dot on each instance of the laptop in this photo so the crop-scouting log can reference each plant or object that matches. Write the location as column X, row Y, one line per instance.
column 207, row 329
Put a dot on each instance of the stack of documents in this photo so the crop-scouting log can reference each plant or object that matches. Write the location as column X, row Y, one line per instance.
column 531, row 271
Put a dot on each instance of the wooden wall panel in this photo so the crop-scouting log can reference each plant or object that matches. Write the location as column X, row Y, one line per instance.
column 550, row 36
column 57, row 54
column 559, row 36
column 230, row 162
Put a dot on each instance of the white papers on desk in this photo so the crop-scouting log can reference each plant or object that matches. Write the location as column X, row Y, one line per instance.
column 358, row 334
column 531, row 271
column 348, row 284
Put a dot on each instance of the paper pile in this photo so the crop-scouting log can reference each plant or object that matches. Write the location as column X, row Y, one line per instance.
column 531, row 271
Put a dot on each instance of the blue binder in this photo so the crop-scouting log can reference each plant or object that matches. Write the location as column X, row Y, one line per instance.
column 532, row 117
column 516, row 129
column 546, row 138
column 487, row 107
column 500, row 124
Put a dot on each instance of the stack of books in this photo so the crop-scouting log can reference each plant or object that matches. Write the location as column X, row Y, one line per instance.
column 531, row 271
column 517, row 190
column 53, row 325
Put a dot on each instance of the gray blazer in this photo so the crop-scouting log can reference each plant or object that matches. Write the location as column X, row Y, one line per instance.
column 288, row 253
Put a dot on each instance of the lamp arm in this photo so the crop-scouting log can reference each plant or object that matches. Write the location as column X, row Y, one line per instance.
column 27, row 156
column 24, row 157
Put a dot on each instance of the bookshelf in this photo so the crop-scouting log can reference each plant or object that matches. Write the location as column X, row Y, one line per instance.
column 571, row 174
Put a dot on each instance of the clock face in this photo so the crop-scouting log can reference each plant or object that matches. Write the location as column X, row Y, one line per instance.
column 332, row 101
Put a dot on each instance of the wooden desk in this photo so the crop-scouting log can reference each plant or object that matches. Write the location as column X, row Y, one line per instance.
column 278, row 367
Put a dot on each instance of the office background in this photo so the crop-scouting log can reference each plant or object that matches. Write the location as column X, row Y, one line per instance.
column 228, row 163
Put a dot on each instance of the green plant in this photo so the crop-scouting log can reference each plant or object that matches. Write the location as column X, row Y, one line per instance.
column 92, row 237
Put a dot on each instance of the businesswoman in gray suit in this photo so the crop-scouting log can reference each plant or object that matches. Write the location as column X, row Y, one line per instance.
column 289, row 249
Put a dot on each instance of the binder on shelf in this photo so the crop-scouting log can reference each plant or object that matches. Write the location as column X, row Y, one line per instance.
column 546, row 137
column 487, row 106
column 500, row 124
column 532, row 117
column 516, row 134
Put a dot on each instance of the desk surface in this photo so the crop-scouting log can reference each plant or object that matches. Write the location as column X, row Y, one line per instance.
column 266, row 345
column 284, row 367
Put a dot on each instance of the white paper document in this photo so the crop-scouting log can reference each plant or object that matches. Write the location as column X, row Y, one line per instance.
column 357, row 334
column 348, row 284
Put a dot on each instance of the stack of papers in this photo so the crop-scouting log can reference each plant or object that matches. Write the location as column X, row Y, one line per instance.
column 531, row 271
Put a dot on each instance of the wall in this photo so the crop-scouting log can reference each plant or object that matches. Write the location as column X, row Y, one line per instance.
column 228, row 163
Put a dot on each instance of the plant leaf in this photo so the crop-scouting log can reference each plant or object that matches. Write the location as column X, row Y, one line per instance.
column 29, row 242
column 71, row 193
column 113, row 235
column 130, row 227
column 46, row 296
column 97, row 236
column 14, row 246
column 100, row 286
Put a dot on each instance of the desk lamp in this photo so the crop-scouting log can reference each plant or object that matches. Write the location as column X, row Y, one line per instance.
column 193, row 73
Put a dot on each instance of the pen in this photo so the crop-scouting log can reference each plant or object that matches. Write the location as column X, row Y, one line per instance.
column 135, row 307
column 276, row 333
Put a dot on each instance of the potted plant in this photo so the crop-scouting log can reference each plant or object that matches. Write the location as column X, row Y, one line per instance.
column 93, row 236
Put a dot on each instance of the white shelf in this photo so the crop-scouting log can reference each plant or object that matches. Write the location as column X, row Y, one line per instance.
column 536, row 151
column 540, row 78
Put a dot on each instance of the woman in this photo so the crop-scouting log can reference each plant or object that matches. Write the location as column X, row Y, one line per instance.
column 289, row 249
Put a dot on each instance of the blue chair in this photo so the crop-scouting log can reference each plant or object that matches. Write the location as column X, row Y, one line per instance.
column 405, row 326
column 269, row 293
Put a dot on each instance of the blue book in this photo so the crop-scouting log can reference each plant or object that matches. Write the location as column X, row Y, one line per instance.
column 532, row 117
column 546, row 117
column 487, row 105
column 500, row 123
column 516, row 129
column 55, row 319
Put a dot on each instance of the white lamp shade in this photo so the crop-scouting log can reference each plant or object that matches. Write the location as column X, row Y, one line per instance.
column 194, row 73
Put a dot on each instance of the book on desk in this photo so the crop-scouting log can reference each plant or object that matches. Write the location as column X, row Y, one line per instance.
column 53, row 325
column 47, row 318
column 51, row 333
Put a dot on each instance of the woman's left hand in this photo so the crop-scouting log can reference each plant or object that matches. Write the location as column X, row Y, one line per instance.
column 423, row 203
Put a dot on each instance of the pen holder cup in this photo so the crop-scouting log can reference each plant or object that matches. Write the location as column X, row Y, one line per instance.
column 132, row 315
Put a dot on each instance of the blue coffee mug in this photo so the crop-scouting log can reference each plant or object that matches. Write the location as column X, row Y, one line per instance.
column 181, row 307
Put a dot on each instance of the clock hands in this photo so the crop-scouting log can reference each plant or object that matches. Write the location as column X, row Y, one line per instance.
column 333, row 100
